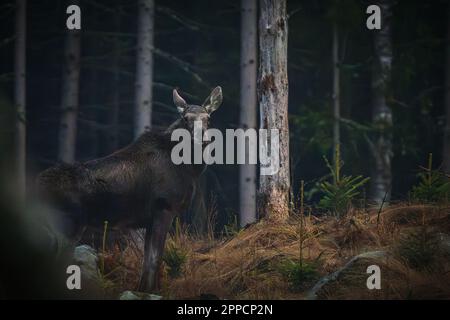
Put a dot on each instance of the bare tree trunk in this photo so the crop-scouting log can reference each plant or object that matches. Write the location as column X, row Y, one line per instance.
column 94, row 96
column 70, row 97
column 382, row 114
column 446, row 151
column 113, row 119
column 273, row 195
column 336, row 91
column 20, row 96
column 247, row 173
column 144, row 67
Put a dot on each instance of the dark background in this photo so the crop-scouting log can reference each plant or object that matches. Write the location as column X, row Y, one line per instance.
column 208, row 39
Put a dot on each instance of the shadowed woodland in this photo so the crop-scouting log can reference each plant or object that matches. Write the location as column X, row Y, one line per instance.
column 364, row 122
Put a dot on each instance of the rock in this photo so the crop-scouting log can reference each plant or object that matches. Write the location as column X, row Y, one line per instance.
column 313, row 293
column 134, row 295
column 86, row 258
column 85, row 254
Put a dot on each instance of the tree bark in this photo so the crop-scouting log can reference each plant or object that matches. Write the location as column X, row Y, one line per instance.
column 336, row 91
column 381, row 179
column 20, row 96
column 94, row 96
column 274, row 190
column 247, row 172
column 70, row 97
column 144, row 67
column 446, row 151
column 113, row 116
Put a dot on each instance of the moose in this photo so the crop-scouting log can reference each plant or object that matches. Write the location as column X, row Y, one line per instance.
column 135, row 187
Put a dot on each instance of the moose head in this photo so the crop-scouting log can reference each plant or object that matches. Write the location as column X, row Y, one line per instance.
column 191, row 113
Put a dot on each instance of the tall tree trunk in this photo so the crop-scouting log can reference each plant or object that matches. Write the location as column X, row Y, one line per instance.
column 247, row 173
column 144, row 67
column 70, row 97
column 382, row 115
column 273, row 195
column 446, row 151
column 94, row 98
column 94, row 93
column 20, row 96
column 113, row 119
column 336, row 91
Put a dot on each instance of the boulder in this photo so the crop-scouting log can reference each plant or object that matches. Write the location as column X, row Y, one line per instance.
column 86, row 258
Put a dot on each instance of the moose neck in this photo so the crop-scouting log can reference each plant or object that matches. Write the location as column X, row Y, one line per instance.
column 177, row 124
column 180, row 124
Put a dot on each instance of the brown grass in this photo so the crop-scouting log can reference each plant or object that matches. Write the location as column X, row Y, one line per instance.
column 245, row 266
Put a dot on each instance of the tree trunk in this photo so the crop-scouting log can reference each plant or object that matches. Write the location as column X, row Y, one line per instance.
column 20, row 96
column 273, row 196
column 446, row 151
column 144, row 67
column 336, row 91
column 70, row 97
column 113, row 116
column 94, row 97
column 382, row 115
column 94, row 94
column 247, row 172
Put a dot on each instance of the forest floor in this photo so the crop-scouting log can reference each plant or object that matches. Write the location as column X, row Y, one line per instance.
column 284, row 261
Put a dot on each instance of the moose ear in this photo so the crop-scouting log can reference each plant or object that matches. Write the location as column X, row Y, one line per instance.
column 214, row 100
column 179, row 102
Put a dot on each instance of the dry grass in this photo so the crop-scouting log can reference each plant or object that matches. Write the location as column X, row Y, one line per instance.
column 246, row 266
column 243, row 266
column 399, row 281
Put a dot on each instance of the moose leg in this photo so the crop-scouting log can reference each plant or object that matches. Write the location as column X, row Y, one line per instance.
column 155, row 238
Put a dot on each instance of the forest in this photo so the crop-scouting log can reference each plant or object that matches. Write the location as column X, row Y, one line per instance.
column 350, row 98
